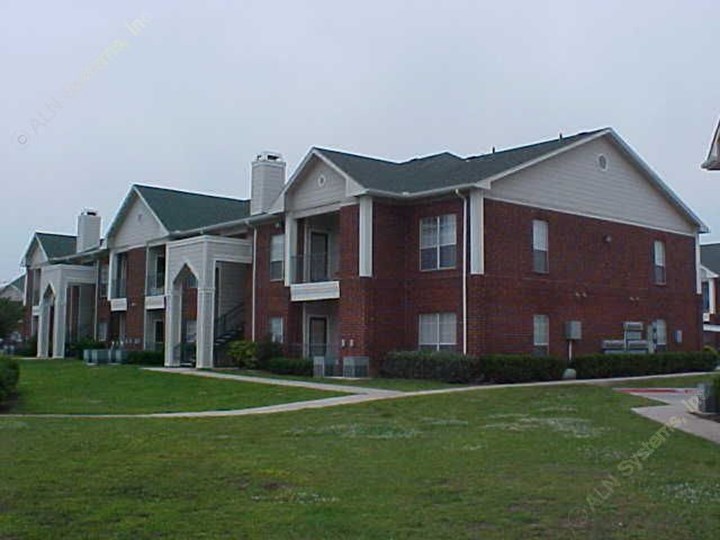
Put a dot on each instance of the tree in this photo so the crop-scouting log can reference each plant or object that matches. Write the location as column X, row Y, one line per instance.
column 11, row 314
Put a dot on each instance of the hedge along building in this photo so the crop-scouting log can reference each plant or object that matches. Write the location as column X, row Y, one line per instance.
column 356, row 256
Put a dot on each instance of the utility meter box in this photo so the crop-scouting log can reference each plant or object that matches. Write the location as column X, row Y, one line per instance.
column 573, row 330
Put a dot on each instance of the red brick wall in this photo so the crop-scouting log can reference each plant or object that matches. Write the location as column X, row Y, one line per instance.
column 600, row 273
column 135, row 315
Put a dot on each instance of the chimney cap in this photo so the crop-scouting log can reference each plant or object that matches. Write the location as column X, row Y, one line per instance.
column 89, row 212
column 268, row 155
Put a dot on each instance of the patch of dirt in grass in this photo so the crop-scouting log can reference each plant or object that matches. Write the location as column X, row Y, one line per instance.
column 693, row 492
column 576, row 428
column 295, row 497
column 354, row 431
column 444, row 422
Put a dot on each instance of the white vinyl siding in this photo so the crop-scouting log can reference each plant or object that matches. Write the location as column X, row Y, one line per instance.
column 138, row 226
column 438, row 239
column 437, row 332
column 277, row 256
column 541, row 335
column 276, row 330
column 307, row 193
column 659, row 269
column 573, row 182
column 540, row 247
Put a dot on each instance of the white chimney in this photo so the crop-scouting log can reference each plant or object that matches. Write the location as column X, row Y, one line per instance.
column 266, row 181
column 88, row 230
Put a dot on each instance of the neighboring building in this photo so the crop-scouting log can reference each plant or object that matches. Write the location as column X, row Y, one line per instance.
column 712, row 163
column 710, row 272
column 516, row 251
column 15, row 290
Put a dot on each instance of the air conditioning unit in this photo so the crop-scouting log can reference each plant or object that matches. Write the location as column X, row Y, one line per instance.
column 323, row 367
column 356, row 367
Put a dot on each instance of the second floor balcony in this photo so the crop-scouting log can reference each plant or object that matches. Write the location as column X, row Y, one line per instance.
column 314, row 268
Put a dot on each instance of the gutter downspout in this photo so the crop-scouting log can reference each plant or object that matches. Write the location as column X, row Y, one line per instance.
column 254, row 287
column 464, row 269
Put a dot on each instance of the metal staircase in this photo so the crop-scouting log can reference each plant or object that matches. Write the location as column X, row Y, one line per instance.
column 229, row 326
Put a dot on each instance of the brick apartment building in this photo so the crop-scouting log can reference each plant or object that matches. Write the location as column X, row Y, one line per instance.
column 512, row 251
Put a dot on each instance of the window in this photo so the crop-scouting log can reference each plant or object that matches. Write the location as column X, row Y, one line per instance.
column 102, row 334
column 706, row 296
column 659, row 262
column 660, row 335
column 277, row 257
column 121, row 261
column 103, row 280
column 438, row 241
column 276, row 329
column 437, row 332
column 541, row 335
column 540, row 246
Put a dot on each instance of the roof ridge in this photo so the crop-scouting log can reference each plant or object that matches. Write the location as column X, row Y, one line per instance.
column 194, row 193
column 64, row 235
column 538, row 143
column 361, row 156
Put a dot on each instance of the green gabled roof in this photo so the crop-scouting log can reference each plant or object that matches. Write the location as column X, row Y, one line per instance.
column 710, row 257
column 440, row 171
column 19, row 283
column 57, row 245
column 180, row 211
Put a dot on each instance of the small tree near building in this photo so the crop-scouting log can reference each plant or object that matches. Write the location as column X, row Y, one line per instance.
column 11, row 314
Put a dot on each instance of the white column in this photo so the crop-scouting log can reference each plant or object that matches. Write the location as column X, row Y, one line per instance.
column 698, row 277
column 477, row 232
column 172, row 325
column 205, row 326
column 43, row 334
column 290, row 247
column 365, row 256
column 59, row 323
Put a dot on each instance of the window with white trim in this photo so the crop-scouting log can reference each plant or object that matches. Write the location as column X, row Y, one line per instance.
column 660, row 335
column 659, row 271
column 438, row 242
column 437, row 332
column 540, row 246
column 541, row 335
column 277, row 257
column 276, row 330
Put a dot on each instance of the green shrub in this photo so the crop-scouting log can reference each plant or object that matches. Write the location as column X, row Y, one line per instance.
column 267, row 349
column 9, row 376
column 29, row 349
column 146, row 358
column 77, row 348
column 439, row 366
column 290, row 366
column 505, row 368
column 244, row 352
column 458, row 368
column 599, row 366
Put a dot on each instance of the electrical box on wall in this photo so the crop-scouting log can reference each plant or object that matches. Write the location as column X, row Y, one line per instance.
column 573, row 330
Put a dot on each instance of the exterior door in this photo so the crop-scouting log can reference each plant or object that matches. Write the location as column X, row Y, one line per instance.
column 317, row 336
column 319, row 244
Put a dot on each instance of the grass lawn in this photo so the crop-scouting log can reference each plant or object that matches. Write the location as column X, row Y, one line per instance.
column 506, row 463
column 402, row 385
column 69, row 386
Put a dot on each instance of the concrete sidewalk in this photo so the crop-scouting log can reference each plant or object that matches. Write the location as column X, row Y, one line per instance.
column 678, row 411
column 328, row 387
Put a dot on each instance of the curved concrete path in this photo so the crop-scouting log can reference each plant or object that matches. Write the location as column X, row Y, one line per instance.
column 356, row 394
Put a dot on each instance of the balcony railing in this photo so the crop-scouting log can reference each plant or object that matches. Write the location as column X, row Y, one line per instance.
column 314, row 268
column 155, row 284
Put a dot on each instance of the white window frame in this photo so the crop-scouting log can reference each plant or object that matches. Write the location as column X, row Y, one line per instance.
column 540, row 245
column 437, row 322
column 437, row 243
column 541, row 335
column 659, row 263
column 277, row 257
column 277, row 334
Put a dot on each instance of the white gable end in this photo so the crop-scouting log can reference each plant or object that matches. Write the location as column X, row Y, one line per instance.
column 137, row 227
column 36, row 257
column 575, row 182
column 319, row 185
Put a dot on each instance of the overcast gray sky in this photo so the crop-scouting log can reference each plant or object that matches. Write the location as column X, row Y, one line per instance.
column 188, row 92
